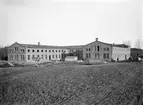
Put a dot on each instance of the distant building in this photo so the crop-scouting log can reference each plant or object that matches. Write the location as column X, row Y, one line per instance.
column 3, row 53
column 97, row 50
column 135, row 52
column 76, row 51
column 94, row 51
column 120, row 52
column 27, row 53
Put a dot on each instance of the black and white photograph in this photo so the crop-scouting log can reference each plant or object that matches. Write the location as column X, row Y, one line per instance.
column 71, row 52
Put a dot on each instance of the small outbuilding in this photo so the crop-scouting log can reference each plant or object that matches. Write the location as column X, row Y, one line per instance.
column 120, row 52
column 71, row 58
column 136, row 52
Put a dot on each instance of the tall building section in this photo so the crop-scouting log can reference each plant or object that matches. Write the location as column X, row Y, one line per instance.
column 98, row 51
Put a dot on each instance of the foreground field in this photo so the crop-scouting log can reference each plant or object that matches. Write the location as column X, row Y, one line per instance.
column 114, row 84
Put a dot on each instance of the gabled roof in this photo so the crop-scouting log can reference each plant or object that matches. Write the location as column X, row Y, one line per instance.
column 16, row 43
column 98, row 42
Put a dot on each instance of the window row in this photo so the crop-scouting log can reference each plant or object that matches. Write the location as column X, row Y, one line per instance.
column 16, row 50
column 44, row 57
column 45, row 50
column 96, row 55
column 106, row 49
column 88, row 55
column 106, row 55
column 97, row 48
column 16, row 57
column 88, row 49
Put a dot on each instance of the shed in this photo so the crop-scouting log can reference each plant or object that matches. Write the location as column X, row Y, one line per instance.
column 71, row 58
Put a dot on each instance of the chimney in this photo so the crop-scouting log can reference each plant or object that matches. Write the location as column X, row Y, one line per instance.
column 39, row 43
column 96, row 39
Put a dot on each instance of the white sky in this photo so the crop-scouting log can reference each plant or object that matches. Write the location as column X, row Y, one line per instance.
column 69, row 22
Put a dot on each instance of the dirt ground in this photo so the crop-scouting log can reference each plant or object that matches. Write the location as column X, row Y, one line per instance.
column 69, row 84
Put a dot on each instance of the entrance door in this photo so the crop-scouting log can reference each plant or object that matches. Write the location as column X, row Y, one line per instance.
column 125, row 56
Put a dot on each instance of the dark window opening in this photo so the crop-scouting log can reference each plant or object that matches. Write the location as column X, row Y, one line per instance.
column 97, row 48
column 28, row 57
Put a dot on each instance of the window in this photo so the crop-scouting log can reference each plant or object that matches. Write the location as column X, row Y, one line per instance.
column 28, row 50
column 62, row 51
column 59, row 51
column 104, row 49
column 107, row 55
column 89, row 49
column 49, row 50
column 56, row 50
column 37, row 55
column 104, row 56
column 56, row 56
column 28, row 57
column 89, row 55
column 16, row 48
column 86, row 49
column 97, row 48
column 32, row 50
column 45, row 50
column 97, row 56
column 10, row 50
column 107, row 49
column 33, row 56
column 45, row 56
column 53, row 56
column 49, row 57
column 42, row 56
column 22, row 57
column 41, row 50
column 52, row 50
column 22, row 50
column 86, row 55
column 17, row 57
column 11, row 57
column 37, row 50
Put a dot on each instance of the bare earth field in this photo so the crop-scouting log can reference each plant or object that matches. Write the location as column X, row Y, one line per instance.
column 72, row 84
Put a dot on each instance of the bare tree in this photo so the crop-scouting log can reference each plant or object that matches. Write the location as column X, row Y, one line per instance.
column 138, row 43
column 128, row 43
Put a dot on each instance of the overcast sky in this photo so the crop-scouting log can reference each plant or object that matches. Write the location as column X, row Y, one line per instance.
column 70, row 22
